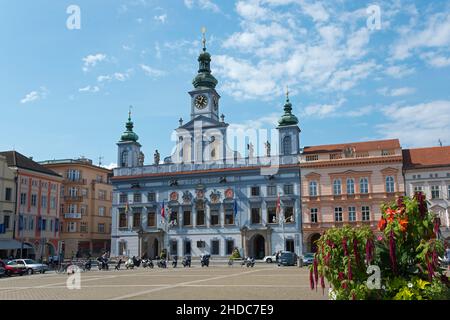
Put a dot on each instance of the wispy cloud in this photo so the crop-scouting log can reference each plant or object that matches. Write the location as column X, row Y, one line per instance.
column 92, row 60
column 152, row 72
column 91, row 89
column 35, row 95
column 161, row 18
column 399, row 71
column 202, row 4
column 396, row 92
column 118, row 76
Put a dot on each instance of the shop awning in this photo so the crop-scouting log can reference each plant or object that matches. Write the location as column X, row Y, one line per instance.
column 12, row 244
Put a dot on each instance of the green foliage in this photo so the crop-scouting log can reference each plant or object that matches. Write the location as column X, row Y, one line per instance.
column 405, row 250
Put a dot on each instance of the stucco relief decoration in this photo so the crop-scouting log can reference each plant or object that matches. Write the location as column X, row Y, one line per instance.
column 187, row 197
column 229, row 194
column 349, row 152
column 200, row 194
column 174, row 196
column 215, row 196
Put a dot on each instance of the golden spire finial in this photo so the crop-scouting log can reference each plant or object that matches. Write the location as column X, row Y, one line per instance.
column 204, row 38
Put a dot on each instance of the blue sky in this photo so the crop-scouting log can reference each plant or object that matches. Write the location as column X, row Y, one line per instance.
column 65, row 93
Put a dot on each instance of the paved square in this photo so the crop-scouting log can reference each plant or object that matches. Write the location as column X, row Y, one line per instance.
column 263, row 282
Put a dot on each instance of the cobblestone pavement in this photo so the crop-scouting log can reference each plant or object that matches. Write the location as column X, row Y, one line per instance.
column 263, row 282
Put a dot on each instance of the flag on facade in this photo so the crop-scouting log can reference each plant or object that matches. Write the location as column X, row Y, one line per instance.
column 278, row 209
column 163, row 211
column 235, row 208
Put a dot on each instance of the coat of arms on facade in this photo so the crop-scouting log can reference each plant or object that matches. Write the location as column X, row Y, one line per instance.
column 200, row 194
column 349, row 152
column 187, row 197
column 215, row 196
column 174, row 196
column 229, row 193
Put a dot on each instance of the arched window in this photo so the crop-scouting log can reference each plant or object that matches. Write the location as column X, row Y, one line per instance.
column 124, row 159
column 389, row 184
column 364, row 185
column 313, row 189
column 350, row 186
column 287, row 145
column 337, row 190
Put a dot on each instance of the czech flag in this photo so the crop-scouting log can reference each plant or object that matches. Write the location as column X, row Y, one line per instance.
column 163, row 211
column 278, row 209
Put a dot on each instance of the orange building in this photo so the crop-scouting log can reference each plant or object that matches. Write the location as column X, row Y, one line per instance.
column 347, row 183
column 85, row 210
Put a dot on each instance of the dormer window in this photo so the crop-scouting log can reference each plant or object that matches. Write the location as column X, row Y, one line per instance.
column 124, row 159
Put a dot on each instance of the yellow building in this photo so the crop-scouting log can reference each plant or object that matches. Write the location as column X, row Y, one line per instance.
column 85, row 210
column 7, row 209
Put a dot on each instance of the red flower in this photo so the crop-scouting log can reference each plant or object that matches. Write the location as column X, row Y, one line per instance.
column 403, row 224
column 311, row 279
column 382, row 224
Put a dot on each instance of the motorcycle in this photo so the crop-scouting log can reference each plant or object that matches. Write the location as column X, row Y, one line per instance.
column 103, row 264
column 175, row 261
column 205, row 260
column 162, row 264
column 249, row 262
column 88, row 265
column 186, row 261
column 129, row 264
column 136, row 262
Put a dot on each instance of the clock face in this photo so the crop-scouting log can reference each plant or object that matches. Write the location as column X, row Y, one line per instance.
column 201, row 101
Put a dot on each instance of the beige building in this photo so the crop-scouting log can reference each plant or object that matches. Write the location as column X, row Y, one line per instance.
column 347, row 183
column 7, row 209
column 85, row 210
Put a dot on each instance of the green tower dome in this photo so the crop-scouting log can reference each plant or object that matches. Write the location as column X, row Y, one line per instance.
column 129, row 135
column 204, row 78
column 287, row 119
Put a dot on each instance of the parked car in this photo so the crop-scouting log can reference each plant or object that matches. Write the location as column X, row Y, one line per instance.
column 12, row 268
column 287, row 259
column 308, row 259
column 2, row 272
column 32, row 266
column 270, row 259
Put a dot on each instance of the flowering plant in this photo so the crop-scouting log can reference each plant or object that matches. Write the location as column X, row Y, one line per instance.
column 406, row 251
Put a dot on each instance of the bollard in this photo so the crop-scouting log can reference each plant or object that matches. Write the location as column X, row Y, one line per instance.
column 300, row 262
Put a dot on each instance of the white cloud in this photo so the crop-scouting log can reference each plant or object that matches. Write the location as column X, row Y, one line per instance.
column 91, row 60
column 35, row 95
column 161, row 18
column 189, row 3
column 363, row 111
column 399, row 71
column 396, row 92
column 111, row 166
column 436, row 60
column 417, row 125
column 202, row 4
column 323, row 110
column 92, row 89
column 315, row 10
column 152, row 72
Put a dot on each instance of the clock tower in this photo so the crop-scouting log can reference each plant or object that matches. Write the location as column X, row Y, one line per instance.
column 204, row 97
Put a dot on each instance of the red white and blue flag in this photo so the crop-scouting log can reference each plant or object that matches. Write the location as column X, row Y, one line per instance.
column 163, row 212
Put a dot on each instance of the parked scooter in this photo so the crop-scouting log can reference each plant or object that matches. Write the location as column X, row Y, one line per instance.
column 186, row 261
column 162, row 263
column 205, row 260
column 136, row 262
column 250, row 262
column 175, row 261
column 129, row 264
column 102, row 263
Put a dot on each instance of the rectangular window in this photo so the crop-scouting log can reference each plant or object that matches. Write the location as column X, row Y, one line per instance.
column 201, row 218
column 364, row 185
column 73, row 175
column 229, row 247
column 44, row 201
column 83, row 209
column 84, row 192
column 435, row 192
column 313, row 189
column 288, row 189
column 186, row 218
column 31, row 223
column 256, row 215
column 73, row 192
column 72, row 227
column 365, row 211
column 101, row 211
column 44, row 224
column 187, row 247
column 72, row 208
column 123, row 198
column 289, row 214
column 314, row 215
column 338, row 214
column 418, row 189
column 101, row 228
column 84, row 227
column 102, row 194
column 337, row 187
column 351, row 213
column 229, row 216
column 6, row 222
column 51, row 225
column 151, row 219
column 271, row 190
column 136, row 218
column 271, row 215
column 52, row 202
column 33, row 200
column 215, row 247
column 255, row 191
column 137, row 197
column 122, row 219
column 151, row 197
column 23, row 198
column 215, row 221
column 8, row 193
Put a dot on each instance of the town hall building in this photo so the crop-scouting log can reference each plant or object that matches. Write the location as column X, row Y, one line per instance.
column 206, row 198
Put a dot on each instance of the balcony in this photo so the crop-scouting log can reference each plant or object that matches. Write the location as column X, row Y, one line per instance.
column 73, row 198
column 72, row 215
column 79, row 181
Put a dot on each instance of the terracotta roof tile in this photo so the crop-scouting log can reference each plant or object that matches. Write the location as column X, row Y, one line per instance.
column 359, row 146
column 426, row 157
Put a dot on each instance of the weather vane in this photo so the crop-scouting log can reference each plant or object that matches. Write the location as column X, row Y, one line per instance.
column 129, row 112
column 204, row 38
